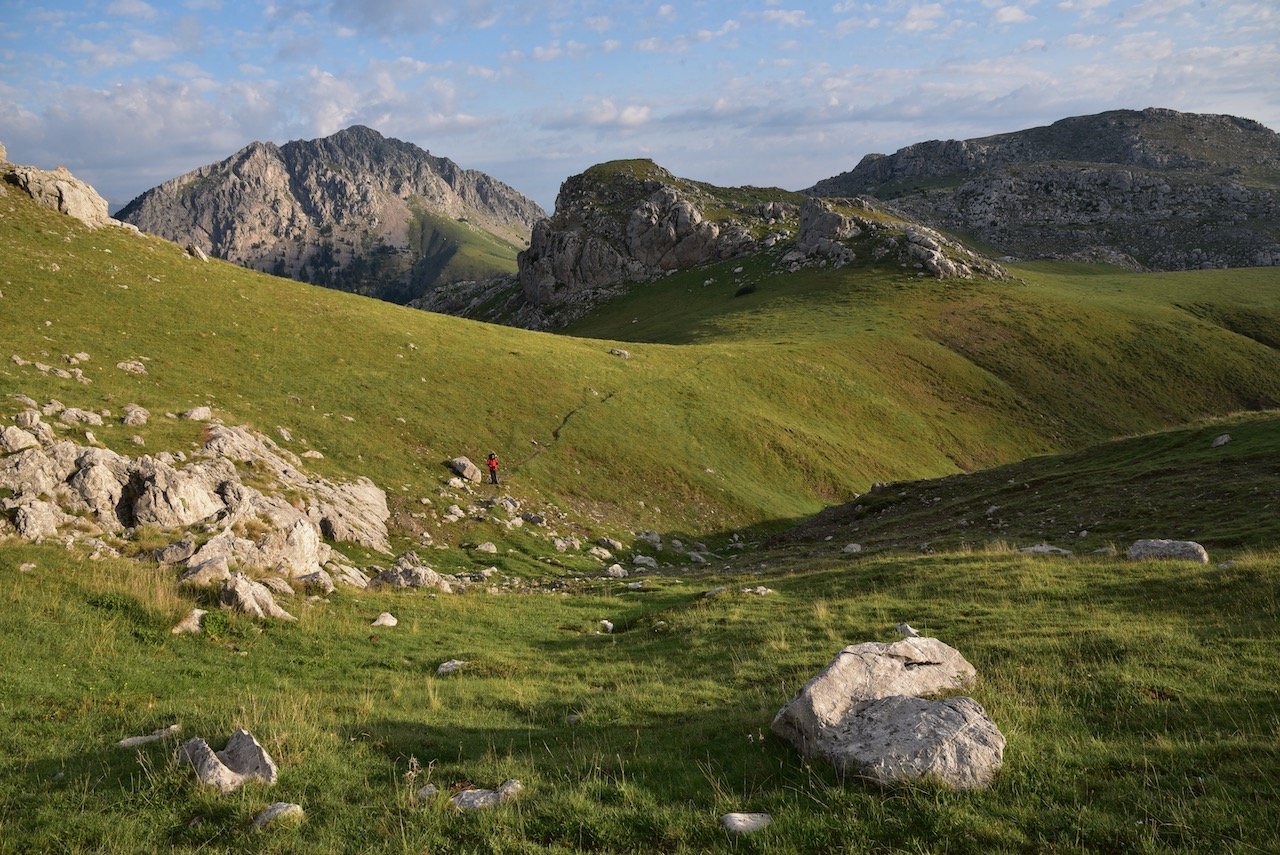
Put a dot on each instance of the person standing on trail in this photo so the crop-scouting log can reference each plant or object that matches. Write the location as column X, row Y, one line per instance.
column 493, row 467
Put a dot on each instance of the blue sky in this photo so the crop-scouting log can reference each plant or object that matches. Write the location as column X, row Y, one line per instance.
column 129, row 93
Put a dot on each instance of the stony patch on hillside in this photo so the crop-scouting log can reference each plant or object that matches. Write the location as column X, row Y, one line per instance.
column 1152, row 189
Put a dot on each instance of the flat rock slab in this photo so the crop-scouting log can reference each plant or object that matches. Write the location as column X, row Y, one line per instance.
column 1178, row 550
column 865, row 672
column 899, row 739
column 745, row 823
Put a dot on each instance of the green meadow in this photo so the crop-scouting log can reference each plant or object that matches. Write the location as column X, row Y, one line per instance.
column 1138, row 699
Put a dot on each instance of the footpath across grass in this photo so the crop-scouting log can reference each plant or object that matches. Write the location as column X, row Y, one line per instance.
column 1137, row 699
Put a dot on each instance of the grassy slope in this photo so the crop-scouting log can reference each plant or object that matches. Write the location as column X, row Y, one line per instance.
column 1137, row 698
column 799, row 394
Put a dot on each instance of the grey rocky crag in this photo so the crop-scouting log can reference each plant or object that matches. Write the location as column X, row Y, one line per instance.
column 1152, row 189
column 356, row 211
column 624, row 223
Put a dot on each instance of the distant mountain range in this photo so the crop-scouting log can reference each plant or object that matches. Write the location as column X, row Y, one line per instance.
column 355, row 211
column 1153, row 189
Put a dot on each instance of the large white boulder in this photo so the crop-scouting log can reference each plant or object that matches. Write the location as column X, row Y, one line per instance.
column 1181, row 550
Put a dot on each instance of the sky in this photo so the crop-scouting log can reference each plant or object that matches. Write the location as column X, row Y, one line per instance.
column 131, row 93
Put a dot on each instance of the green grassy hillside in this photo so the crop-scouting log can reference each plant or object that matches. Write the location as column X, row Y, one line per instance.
column 732, row 410
column 1137, row 698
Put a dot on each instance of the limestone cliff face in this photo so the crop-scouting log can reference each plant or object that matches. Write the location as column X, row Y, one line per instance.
column 1162, row 189
column 623, row 224
column 356, row 211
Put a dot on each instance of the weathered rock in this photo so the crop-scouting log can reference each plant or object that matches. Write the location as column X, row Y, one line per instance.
column 243, row 759
column 450, row 667
column 385, row 619
column 1181, row 550
column 31, row 471
column 77, row 416
column 242, row 594
column 153, row 736
column 409, row 572
column 13, row 439
column 644, row 561
column 197, row 414
column 168, row 498
column 907, row 630
column 476, row 799
column 745, row 823
column 279, row 813
column 192, row 624
column 1220, row 441
column 852, row 548
column 813, row 719
column 63, row 192
column 36, row 520
column 898, row 739
column 277, row 586
column 319, row 582
column 616, row 571
column 135, row 416
column 490, row 549
column 176, row 553
column 132, row 366
column 464, row 468
column 101, row 487
column 354, row 511
column 348, row 575
column 207, row 573
column 1044, row 549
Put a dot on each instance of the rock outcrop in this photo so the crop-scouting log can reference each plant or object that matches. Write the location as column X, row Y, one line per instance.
column 355, row 211
column 1152, row 188
column 863, row 714
column 63, row 192
column 244, row 759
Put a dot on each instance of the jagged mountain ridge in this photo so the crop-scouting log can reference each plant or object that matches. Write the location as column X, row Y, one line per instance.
column 1153, row 188
column 624, row 223
column 355, row 210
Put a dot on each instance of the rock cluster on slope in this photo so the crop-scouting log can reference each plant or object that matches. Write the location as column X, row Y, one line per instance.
column 353, row 211
column 58, row 488
column 1151, row 188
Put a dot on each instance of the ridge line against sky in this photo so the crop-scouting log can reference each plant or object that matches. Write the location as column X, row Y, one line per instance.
column 130, row 93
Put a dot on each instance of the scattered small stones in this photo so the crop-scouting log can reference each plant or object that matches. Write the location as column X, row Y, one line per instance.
column 451, row 667
column 153, row 736
column 385, row 619
column 476, row 799
column 280, row 813
column 1180, row 550
column 745, row 823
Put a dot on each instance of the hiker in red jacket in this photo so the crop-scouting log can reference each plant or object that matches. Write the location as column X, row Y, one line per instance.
column 493, row 467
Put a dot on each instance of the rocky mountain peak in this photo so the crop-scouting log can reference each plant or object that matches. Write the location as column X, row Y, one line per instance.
column 1152, row 188
column 355, row 210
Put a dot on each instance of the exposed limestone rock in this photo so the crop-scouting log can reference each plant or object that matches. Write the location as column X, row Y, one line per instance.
column 464, row 468
column 336, row 211
column 319, row 582
column 280, row 814
column 135, row 416
column 476, row 799
column 192, row 624
column 169, row 498
column 13, row 439
column 1220, row 440
column 745, row 823
column 409, row 572
column 36, row 520
column 76, row 416
column 153, row 736
column 898, row 739
column 451, row 667
column 385, row 619
column 1178, row 550
column 863, row 672
column 63, row 192
column 197, row 414
column 242, row 594
column 132, row 366
column 244, row 759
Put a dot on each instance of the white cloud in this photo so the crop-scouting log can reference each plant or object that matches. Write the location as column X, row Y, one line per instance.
column 1080, row 41
column 546, row 53
column 923, row 17
column 132, row 9
column 791, row 18
column 1012, row 15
